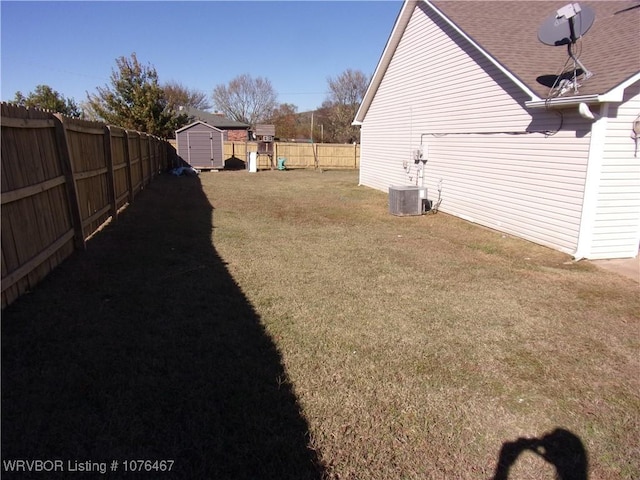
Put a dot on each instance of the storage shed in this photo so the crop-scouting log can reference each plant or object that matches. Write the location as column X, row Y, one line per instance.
column 201, row 145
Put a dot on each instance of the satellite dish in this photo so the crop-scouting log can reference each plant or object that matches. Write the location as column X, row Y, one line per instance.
column 567, row 25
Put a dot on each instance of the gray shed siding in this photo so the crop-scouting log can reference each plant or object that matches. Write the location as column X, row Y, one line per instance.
column 201, row 145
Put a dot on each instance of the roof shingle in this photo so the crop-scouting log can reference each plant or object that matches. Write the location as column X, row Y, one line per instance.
column 508, row 31
column 216, row 120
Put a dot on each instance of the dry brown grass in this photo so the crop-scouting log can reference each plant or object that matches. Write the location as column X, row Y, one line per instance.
column 418, row 346
column 324, row 338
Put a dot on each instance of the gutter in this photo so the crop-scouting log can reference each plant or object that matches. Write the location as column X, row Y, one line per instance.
column 614, row 96
column 399, row 26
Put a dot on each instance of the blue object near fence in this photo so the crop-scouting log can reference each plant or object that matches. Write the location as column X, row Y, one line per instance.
column 281, row 162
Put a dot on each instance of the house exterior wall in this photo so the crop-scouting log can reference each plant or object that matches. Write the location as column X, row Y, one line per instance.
column 616, row 227
column 201, row 146
column 486, row 152
column 236, row 135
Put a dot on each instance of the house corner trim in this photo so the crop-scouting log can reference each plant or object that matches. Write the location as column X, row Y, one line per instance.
column 591, row 185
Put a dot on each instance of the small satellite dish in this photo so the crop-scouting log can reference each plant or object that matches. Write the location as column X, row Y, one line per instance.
column 567, row 25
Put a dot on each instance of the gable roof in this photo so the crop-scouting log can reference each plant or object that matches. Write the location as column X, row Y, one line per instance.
column 217, row 120
column 505, row 32
column 198, row 122
column 264, row 129
column 509, row 31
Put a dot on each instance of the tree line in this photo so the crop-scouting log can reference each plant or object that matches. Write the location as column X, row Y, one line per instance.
column 135, row 99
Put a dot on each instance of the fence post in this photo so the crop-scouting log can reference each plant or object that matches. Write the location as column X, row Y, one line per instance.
column 127, row 158
column 355, row 155
column 315, row 155
column 150, row 159
column 110, row 175
column 163, row 153
column 156, row 157
column 72, row 190
column 144, row 162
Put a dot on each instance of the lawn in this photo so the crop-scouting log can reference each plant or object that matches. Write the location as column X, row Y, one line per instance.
column 284, row 325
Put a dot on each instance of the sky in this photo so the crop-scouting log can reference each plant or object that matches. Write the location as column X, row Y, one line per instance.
column 72, row 46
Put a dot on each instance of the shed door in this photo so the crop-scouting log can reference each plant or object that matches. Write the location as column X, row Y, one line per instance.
column 200, row 149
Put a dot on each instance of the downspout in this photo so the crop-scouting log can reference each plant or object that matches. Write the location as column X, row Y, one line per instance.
column 591, row 185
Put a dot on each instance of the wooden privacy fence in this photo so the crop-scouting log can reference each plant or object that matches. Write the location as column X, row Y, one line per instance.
column 300, row 155
column 62, row 178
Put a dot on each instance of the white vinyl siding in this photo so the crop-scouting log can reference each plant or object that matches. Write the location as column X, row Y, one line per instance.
column 616, row 231
column 513, row 187
column 528, row 185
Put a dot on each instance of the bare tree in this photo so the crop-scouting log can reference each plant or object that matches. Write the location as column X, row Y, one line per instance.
column 246, row 99
column 348, row 88
column 180, row 96
column 346, row 92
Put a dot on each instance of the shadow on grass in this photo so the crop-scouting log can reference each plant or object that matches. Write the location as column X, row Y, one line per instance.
column 144, row 347
column 234, row 163
column 561, row 448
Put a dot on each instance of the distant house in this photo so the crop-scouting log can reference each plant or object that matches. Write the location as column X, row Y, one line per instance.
column 201, row 145
column 232, row 130
column 468, row 84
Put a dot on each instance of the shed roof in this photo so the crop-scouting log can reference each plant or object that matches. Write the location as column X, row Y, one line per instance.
column 198, row 122
column 505, row 32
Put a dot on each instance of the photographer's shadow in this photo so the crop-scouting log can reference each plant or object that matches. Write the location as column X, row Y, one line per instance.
column 144, row 347
column 561, row 448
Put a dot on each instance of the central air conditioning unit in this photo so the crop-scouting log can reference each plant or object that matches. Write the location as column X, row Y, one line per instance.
column 407, row 200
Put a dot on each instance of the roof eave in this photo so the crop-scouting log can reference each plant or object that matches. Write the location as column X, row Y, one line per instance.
column 188, row 126
column 615, row 95
column 394, row 39
column 392, row 42
column 197, row 122
column 564, row 102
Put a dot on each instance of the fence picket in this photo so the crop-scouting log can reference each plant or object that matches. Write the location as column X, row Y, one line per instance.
column 61, row 179
column 300, row 155
column 111, row 181
column 72, row 191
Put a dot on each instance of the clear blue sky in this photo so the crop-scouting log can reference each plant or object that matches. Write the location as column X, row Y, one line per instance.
column 72, row 46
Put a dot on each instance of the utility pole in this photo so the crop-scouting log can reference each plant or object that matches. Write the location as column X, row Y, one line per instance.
column 312, row 127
